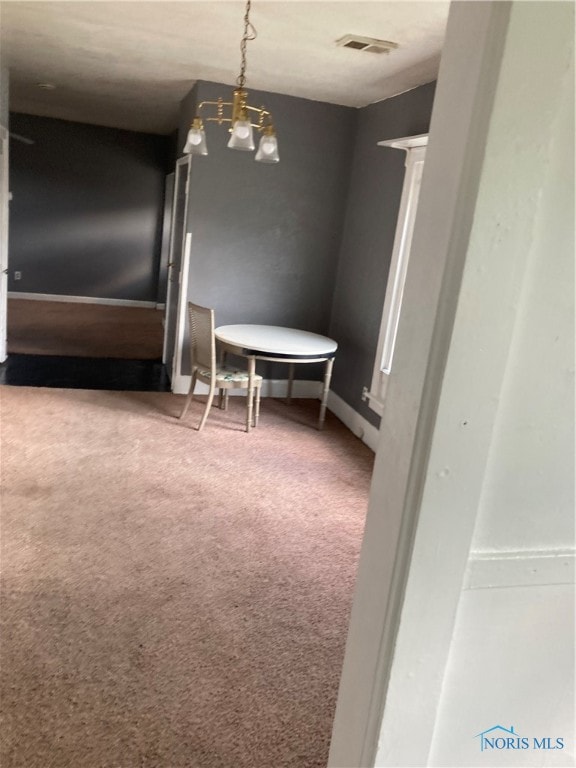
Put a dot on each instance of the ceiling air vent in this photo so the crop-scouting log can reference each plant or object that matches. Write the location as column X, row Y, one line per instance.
column 370, row 44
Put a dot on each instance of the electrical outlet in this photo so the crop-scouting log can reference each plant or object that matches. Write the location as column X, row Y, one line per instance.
column 17, row 275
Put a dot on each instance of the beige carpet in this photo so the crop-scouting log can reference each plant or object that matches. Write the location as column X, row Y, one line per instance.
column 170, row 598
column 84, row 330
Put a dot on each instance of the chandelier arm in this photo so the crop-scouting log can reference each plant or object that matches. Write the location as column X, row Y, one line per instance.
column 265, row 119
column 218, row 120
column 221, row 120
column 213, row 104
column 257, row 109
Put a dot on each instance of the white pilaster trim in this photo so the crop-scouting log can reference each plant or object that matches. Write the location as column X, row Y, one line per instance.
column 415, row 156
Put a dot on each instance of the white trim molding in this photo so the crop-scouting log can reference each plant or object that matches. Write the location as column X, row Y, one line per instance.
column 520, row 568
column 406, row 142
column 182, row 300
column 4, row 225
column 81, row 299
column 415, row 148
column 357, row 424
column 309, row 390
column 177, row 284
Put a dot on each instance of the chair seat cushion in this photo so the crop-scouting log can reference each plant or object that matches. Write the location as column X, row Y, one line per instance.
column 224, row 374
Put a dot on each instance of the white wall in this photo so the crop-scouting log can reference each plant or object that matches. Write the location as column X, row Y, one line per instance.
column 512, row 655
column 463, row 612
column 527, row 489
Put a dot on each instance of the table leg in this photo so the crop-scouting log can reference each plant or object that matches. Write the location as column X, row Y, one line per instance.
column 250, row 403
column 325, row 390
column 290, row 382
column 223, row 395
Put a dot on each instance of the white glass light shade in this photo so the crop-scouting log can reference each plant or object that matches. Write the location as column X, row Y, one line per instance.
column 195, row 142
column 268, row 150
column 242, row 136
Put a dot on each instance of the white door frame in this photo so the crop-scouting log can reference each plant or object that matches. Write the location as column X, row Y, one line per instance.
column 179, row 382
column 4, row 220
column 369, row 727
column 182, row 163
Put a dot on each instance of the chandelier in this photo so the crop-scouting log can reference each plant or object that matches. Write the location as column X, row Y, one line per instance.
column 239, row 114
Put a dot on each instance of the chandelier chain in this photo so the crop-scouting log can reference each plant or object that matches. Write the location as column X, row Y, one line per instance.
column 249, row 34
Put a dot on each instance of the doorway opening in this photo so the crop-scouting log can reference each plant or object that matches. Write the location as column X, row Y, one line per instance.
column 88, row 256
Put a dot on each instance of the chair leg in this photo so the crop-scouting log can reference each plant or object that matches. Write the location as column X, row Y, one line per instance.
column 226, row 395
column 208, row 406
column 221, row 398
column 189, row 396
column 257, row 409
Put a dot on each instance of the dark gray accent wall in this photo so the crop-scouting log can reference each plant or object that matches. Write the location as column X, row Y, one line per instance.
column 87, row 208
column 4, row 91
column 368, row 237
column 266, row 238
column 187, row 114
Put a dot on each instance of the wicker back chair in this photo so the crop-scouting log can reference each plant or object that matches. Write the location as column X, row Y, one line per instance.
column 206, row 369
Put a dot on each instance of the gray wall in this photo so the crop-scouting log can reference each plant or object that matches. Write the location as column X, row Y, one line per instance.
column 86, row 216
column 307, row 242
column 4, row 84
column 266, row 238
column 187, row 114
column 368, row 237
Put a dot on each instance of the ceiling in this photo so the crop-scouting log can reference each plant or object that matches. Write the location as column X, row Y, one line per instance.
column 129, row 64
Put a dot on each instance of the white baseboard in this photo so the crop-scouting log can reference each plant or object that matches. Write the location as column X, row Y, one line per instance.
column 81, row 299
column 357, row 424
column 270, row 388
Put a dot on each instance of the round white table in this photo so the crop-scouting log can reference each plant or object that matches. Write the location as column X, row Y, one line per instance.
column 280, row 345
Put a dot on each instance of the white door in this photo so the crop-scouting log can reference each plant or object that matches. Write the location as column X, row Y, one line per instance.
column 176, row 268
column 4, row 197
